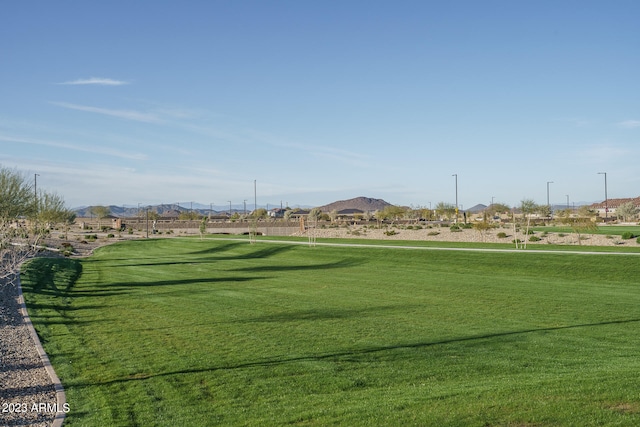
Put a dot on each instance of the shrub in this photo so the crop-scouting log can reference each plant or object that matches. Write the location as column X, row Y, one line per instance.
column 534, row 239
column 391, row 232
column 628, row 235
column 561, row 234
column 433, row 233
column 455, row 227
column 638, row 240
column 110, row 235
column 502, row 235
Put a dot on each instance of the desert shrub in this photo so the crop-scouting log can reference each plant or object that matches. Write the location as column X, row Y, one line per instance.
column 391, row 232
column 110, row 235
column 417, row 227
column 530, row 232
column 561, row 234
column 91, row 237
column 105, row 228
column 638, row 240
column 467, row 225
column 516, row 241
column 534, row 239
column 628, row 235
column 454, row 227
column 502, row 235
column 433, row 233
column 66, row 249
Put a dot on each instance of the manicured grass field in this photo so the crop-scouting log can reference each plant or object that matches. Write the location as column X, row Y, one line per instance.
column 190, row 332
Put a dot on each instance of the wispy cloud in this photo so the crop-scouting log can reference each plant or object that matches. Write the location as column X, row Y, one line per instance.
column 122, row 114
column 629, row 124
column 99, row 81
column 64, row 145
column 603, row 153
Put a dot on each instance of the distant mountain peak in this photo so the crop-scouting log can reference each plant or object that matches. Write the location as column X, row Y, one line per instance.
column 365, row 204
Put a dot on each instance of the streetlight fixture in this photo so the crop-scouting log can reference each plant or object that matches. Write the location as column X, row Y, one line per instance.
column 548, row 182
column 229, row 208
column 606, row 199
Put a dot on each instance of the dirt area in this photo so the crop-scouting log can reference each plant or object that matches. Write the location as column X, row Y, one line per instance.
column 445, row 234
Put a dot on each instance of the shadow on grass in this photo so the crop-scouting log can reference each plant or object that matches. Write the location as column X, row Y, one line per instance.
column 53, row 275
column 266, row 268
column 325, row 314
column 187, row 259
column 348, row 353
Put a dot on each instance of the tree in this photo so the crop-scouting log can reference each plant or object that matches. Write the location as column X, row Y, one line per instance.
column 18, row 206
column 445, row 210
column 627, row 211
column 17, row 200
column 583, row 222
column 391, row 212
column 483, row 225
column 203, row 227
column 528, row 208
column 100, row 212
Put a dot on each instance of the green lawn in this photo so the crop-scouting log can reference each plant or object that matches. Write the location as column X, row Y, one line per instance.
column 196, row 332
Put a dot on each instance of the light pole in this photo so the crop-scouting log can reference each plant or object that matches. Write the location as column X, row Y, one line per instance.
column 229, row 208
column 548, row 182
column 35, row 190
column 456, row 175
column 567, row 202
column 606, row 199
column 245, row 208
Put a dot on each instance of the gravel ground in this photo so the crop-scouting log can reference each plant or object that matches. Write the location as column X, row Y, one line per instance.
column 24, row 382
column 444, row 234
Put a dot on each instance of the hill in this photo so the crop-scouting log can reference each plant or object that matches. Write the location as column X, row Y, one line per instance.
column 365, row 204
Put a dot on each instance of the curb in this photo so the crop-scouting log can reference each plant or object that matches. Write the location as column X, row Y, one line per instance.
column 61, row 398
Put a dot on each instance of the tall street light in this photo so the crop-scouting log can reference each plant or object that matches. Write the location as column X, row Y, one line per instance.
column 35, row 189
column 548, row 182
column 606, row 199
column 456, row 175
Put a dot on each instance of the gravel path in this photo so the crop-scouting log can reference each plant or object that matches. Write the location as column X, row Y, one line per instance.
column 25, row 385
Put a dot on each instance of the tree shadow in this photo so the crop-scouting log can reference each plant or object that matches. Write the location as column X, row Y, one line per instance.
column 325, row 314
column 327, row 266
column 351, row 354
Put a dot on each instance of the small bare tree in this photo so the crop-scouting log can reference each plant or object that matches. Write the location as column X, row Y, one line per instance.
column 627, row 211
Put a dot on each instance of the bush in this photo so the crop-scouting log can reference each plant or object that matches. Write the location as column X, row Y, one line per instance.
column 502, row 235
column 391, row 232
column 628, row 235
column 433, row 233
column 534, row 239
column 455, row 227
column 110, row 235
column 638, row 240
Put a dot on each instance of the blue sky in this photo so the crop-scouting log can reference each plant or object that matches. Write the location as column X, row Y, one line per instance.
column 128, row 102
